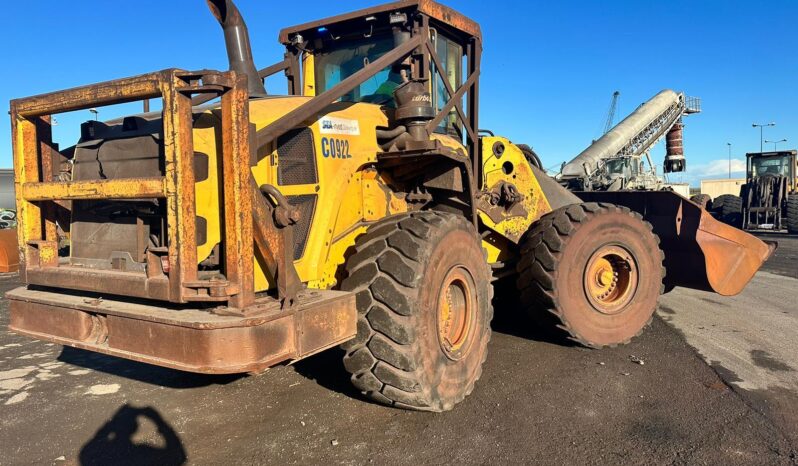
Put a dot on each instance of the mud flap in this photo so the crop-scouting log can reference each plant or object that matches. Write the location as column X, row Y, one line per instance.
column 700, row 252
column 9, row 251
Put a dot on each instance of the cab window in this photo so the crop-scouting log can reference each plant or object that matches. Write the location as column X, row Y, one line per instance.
column 775, row 165
column 450, row 55
column 342, row 59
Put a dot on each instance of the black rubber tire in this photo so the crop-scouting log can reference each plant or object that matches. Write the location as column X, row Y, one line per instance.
column 791, row 217
column 554, row 257
column 530, row 155
column 728, row 209
column 702, row 200
column 397, row 272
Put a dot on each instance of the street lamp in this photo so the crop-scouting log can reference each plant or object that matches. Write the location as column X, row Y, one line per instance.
column 775, row 142
column 95, row 112
column 729, row 144
column 761, row 127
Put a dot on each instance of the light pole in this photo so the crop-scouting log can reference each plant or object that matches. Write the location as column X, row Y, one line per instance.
column 761, row 127
column 729, row 144
column 96, row 113
column 775, row 142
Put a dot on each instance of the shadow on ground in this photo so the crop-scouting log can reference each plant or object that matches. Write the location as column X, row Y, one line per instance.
column 327, row 368
column 512, row 318
column 115, row 442
column 142, row 372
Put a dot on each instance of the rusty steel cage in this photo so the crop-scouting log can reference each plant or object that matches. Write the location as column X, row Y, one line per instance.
column 172, row 271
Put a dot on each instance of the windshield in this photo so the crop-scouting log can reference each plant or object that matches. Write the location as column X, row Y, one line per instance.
column 775, row 165
column 623, row 166
column 343, row 59
column 616, row 166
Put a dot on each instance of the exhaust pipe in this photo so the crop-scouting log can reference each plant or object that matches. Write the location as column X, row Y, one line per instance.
column 236, row 39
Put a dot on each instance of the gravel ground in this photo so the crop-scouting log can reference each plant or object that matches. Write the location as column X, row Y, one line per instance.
column 540, row 400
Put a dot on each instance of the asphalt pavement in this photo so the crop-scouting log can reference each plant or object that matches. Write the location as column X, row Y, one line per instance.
column 750, row 339
column 712, row 381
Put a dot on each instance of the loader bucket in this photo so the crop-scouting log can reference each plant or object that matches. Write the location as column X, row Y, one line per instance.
column 9, row 250
column 700, row 252
column 731, row 256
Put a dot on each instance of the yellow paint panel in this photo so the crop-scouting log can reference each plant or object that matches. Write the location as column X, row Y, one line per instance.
column 512, row 167
column 206, row 191
column 350, row 194
column 450, row 142
column 308, row 75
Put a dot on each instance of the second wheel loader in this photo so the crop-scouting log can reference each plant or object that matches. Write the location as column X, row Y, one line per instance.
column 769, row 197
column 232, row 230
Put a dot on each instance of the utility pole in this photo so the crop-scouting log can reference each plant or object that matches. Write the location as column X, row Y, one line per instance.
column 761, row 127
column 729, row 144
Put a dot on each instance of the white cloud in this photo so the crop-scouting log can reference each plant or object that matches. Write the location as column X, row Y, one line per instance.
column 716, row 168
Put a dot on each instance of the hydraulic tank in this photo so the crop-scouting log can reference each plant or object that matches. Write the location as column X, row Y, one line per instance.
column 620, row 135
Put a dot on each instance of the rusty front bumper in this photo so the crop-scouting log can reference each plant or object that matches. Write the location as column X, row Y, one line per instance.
column 204, row 341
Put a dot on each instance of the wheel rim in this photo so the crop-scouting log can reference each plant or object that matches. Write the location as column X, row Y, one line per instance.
column 456, row 313
column 610, row 279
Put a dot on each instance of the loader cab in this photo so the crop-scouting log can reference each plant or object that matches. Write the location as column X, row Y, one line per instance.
column 779, row 163
column 329, row 51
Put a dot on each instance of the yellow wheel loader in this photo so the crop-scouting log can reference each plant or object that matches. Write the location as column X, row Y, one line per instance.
column 232, row 229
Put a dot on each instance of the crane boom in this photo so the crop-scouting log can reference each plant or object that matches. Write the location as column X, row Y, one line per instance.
column 636, row 134
column 611, row 112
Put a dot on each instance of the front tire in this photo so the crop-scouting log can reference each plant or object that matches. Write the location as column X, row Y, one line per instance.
column 596, row 267
column 424, row 293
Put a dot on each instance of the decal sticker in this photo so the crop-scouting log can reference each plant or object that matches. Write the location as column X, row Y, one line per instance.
column 335, row 125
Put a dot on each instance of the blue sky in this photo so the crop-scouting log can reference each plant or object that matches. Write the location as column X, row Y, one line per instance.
column 549, row 68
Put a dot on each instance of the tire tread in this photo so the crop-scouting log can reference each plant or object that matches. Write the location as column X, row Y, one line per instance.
column 550, row 234
column 382, row 272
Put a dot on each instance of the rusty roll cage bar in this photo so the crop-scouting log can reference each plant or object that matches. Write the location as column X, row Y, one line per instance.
column 38, row 195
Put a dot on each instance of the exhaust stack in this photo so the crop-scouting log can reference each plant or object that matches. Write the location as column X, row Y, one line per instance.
column 236, row 39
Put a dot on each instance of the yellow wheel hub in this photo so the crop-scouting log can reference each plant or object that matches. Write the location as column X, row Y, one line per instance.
column 610, row 279
column 456, row 313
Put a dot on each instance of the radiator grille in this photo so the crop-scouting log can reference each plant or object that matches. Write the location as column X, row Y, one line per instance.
column 296, row 158
column 306, row 204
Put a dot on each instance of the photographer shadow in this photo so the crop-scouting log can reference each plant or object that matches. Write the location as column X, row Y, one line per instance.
column 113, row 443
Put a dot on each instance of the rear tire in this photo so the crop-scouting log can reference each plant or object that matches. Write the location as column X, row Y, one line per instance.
column 729, row 209
column 424, row 292
column 596, row 267
column 792, row 213
column 703, row 200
